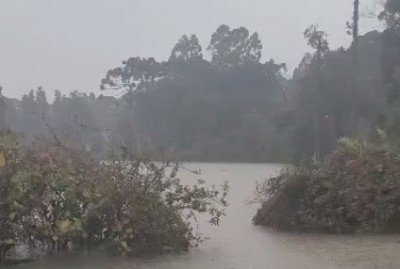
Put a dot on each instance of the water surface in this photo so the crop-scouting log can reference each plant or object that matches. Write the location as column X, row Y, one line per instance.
column 238, row 244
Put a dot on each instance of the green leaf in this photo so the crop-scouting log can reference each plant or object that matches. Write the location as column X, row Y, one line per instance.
column 2, row 159
column 12, row 216
column 63, row 226
column 124, row 245
column 9, row 242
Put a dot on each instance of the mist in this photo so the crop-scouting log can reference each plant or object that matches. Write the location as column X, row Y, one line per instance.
column 69, row 45
column 213, row 134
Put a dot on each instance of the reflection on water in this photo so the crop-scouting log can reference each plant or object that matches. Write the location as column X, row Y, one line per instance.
column 238, row 244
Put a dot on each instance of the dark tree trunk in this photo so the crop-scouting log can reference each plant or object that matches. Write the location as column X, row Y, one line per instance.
column 356, row 19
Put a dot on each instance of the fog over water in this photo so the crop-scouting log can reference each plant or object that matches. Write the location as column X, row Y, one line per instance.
column 271, row 127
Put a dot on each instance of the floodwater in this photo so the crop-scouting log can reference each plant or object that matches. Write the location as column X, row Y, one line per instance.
column 238, row 244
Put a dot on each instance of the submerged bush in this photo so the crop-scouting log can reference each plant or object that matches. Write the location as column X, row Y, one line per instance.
column 61, row 199
column 357, row 189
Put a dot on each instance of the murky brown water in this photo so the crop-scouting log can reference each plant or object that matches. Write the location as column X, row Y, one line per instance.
column 239, row 244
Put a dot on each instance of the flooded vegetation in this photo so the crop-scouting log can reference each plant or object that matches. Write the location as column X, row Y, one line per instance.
column 237, row 243
column 59, row 200
column 231, row 135
column 356, row 190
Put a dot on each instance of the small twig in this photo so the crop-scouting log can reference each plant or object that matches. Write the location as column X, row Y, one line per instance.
column 52, row 131
column 197, row 172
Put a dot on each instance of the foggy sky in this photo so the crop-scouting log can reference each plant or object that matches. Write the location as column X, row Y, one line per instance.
column 70, row 44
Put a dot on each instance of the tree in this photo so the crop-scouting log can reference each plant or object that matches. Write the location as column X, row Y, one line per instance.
column 353, row 29
column 316, row 39
column 356, row 18
column 187, row 49
column 391, row 48
column 57, row 96
column 272, row 68
column 136, row 72
column 197, row 110
column 391, row 14
column 136, row 75
column 41, row 101
column 231, row 48
column 28, row 105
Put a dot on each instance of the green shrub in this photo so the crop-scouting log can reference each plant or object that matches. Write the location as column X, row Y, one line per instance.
column 9, row 217
column 357, row 189
column 64, row 199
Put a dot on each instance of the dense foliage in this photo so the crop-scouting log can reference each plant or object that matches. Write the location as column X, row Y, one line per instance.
column 81, row 192
column 220, row 109
column 233, row 107
column 357, row 189
column 61, row 198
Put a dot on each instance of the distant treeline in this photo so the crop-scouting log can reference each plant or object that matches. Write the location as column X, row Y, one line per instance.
column 233, row 107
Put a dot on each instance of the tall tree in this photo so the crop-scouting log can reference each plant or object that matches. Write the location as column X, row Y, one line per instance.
column 187, row 49
column 138, row 73
column 391, row 48
column 41, row 101
column 391, row 14
column 135, row 76
column 316, row 39
column 57, row 96
column 231, row 48
column 28, row 104
column 356, row 19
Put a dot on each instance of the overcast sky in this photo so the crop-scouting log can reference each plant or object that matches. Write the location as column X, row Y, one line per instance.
column 70, row 44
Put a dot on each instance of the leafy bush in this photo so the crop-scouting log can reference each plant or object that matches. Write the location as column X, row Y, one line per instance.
column 8, row 227
column 357, row 189
column 63, row 198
